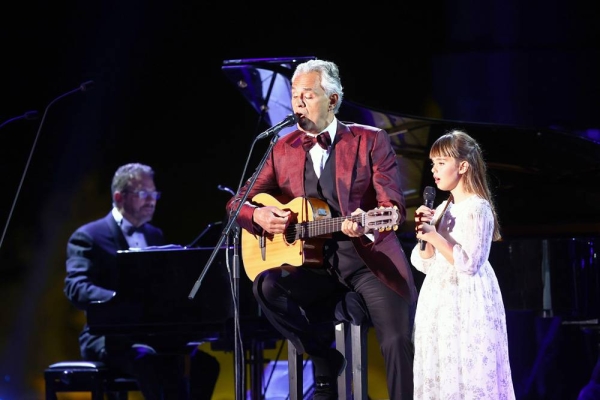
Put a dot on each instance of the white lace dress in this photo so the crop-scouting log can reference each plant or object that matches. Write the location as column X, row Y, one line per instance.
column 461, row 345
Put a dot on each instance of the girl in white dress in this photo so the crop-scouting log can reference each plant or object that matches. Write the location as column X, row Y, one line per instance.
column 461, row 345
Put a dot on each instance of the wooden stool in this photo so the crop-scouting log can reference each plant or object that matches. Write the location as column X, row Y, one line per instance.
column 352, row 383
column 87, row 376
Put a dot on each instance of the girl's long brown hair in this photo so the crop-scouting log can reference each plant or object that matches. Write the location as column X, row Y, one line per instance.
column 462, row 147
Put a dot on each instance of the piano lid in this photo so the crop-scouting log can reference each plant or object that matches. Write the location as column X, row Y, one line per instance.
column 544, row 180
column 152, row 294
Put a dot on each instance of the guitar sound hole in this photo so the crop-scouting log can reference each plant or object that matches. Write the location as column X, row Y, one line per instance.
column 292, row 232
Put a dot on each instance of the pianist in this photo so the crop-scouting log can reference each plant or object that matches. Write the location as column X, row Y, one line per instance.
column 91, row 271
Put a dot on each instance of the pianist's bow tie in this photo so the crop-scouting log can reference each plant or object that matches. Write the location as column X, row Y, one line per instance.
column 133, row 229
column 323, row 139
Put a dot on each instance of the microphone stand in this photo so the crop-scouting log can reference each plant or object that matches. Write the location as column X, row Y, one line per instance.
column 82, row 88
column 238, row 347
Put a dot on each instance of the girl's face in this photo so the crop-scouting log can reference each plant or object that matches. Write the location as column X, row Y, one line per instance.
column 446, row 172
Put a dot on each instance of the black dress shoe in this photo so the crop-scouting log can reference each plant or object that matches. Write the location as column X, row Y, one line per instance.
column 325, row 388
column 326, row 374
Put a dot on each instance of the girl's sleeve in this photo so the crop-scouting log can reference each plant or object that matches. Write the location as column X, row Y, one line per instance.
column 477, row 231
column 421, row 264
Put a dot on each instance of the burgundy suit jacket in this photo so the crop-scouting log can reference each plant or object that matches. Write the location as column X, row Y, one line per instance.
column 367, row 177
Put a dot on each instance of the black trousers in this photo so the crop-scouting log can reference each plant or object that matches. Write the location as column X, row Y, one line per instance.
column 301, row 302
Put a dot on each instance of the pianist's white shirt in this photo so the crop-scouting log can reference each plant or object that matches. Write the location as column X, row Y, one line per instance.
column 137, row 240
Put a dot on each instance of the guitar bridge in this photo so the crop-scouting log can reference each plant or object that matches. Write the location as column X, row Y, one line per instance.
column 262, row 244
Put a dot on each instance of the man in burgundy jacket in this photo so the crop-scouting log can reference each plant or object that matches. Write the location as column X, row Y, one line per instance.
column 355, row 272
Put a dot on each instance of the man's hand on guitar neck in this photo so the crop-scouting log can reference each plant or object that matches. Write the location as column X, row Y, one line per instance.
column 351, row 228
column 271, row 219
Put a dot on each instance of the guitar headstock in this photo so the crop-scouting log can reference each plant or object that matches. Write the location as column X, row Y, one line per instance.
column 382, row 219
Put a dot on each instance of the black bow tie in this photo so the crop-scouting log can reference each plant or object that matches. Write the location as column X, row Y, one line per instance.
column 323, row 139
column 133, row 229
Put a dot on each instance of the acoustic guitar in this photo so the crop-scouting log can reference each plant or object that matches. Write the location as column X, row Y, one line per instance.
column 301, row 244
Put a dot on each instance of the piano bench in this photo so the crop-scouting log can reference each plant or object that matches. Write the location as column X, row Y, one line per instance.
column 352, row 383
column 87, row 376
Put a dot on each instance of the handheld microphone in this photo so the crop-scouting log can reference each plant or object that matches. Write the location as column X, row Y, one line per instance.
column 82, row 88
column 428, row 198
column 28, row 115
column 288, row 121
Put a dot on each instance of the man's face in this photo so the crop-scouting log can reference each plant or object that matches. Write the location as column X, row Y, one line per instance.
column 311, row 104
column 139, row 200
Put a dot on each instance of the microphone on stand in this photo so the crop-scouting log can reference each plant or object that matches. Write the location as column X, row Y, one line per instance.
column 288, row 121
column 195, row 241
column 82, row 88
column 428, row 197
column 28, row 115
column 209, row 226
column 226, row 189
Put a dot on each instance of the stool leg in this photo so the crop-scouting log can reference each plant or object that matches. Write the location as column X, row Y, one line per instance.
column 295, row 373
column 50, row 394
column 343, row 346
column 97, row 388
column 98, row 395
column 359, row 361
column 122, row 395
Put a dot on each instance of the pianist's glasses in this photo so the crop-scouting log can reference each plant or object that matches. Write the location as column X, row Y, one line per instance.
column 143, row 194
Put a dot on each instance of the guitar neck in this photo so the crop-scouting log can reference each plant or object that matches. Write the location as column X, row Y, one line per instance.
column 310, row 229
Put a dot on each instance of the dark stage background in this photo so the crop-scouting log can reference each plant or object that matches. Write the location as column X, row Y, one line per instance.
column 161, row 98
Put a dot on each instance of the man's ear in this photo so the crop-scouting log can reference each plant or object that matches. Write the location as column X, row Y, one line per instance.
column 117, row 197
column 333, row 99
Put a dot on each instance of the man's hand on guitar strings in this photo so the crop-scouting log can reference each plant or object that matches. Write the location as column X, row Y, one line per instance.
column 351, row 228
column 271, row 219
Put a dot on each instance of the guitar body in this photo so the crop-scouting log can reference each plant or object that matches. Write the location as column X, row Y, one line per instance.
column 266, row 251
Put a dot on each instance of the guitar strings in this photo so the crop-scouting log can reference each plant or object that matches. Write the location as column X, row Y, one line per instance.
column 309, row 229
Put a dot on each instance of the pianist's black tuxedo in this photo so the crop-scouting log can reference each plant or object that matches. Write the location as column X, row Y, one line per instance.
column 91, row 276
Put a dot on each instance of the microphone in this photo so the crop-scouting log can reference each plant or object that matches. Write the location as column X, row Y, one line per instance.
column 85, row 86
column 195, row 241
column 226, row 189
column 288, row 121
column 428, row 198
column 28, row 115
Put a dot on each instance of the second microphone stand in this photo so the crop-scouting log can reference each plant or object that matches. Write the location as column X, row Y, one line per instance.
column 227, row 230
